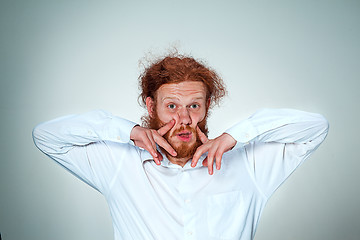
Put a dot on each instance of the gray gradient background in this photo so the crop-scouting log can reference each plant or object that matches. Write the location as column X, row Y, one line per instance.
column 63, row 57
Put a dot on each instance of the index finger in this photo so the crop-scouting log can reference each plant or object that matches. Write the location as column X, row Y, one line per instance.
column 164, row 144
column 164, row 129
column 199, row 151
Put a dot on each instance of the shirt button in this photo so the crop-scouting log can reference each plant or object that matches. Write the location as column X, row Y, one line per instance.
column 118, row 137
column 187, row 201
column 189, row 233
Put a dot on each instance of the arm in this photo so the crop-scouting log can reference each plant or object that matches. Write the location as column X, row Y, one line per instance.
column 283, row 126
column 60, row 135
column 274, row 142
column 78, row 142
column 83, row 144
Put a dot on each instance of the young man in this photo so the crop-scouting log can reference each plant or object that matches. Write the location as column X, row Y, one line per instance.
column 166, row 179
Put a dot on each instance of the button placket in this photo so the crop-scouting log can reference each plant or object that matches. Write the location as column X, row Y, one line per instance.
column 188, row 208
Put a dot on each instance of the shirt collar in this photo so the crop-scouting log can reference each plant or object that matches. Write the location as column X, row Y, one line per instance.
column 146, row 156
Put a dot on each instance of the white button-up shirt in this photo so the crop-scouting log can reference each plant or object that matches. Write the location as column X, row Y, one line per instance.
column 148, row 201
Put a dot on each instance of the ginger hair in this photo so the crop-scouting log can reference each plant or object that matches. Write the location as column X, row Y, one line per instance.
column 175, row 68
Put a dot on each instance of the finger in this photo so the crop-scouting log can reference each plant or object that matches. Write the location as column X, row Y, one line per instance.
column 205, row 162
column 160, row 157
column 218, row 158
column 164, row 144
column 150, row 146
column 199, row 151
column 210, row 163
column 164, row 129
column 152, row 141
column 202, row 136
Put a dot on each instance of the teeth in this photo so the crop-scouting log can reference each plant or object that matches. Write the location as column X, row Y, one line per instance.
column 184, row 134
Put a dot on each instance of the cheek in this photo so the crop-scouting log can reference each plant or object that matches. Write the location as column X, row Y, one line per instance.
column 164, row 116
column 197, row 117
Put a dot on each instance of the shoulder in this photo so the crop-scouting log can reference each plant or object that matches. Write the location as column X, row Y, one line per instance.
column 108, row 152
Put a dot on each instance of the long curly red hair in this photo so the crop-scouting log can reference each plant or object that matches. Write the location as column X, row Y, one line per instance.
column 176, row 68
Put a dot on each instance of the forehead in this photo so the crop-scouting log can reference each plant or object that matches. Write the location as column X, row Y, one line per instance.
column 182, row 90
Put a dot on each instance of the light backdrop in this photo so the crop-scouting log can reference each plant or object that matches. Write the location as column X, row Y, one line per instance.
column 72, row 56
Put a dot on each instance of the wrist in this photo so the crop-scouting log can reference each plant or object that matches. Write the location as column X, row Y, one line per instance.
column 133, row 131
column 231, row 142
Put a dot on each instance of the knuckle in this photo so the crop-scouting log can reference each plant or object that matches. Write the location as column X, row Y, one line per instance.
column 211, row 152
column 204, row 147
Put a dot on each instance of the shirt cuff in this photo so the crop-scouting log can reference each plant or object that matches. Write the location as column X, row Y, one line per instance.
column 120, row 129
column 243, row 132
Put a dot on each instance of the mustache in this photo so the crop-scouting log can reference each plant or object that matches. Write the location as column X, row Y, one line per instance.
column 184, row 128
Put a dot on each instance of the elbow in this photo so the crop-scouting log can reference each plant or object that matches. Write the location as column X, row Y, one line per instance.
column 36, row 136
column 323, row 127
column 39, row 138
column 47, row 140
column 324, row 123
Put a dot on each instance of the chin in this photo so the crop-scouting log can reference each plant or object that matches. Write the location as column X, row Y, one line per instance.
column 184, row 149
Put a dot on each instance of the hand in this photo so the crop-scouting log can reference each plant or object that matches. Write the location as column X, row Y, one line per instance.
column 148, row 138
column 215, row 148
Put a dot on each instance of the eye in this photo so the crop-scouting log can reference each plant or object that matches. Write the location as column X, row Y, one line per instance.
column 194, row 106
column 171, row 106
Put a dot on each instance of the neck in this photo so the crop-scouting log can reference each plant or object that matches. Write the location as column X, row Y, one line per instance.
column 178, row 161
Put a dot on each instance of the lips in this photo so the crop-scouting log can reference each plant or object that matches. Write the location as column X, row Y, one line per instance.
column 184, row 136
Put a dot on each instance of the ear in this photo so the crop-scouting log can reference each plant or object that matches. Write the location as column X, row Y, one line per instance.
column 208, row 103
column 150, row 105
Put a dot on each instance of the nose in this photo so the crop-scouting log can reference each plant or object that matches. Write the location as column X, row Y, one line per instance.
column 184, row 116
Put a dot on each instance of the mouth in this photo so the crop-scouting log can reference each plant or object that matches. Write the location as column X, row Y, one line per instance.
column 184, row 136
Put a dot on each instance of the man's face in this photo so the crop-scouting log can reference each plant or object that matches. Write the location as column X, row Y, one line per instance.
column 186, row 103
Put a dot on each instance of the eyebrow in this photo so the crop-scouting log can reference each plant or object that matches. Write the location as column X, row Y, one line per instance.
column 198, row 98
column 172, row 98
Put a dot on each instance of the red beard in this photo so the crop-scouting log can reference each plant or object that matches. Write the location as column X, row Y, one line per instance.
column 183, row 149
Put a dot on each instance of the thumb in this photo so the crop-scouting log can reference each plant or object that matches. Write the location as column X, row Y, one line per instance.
column 164, row 129
column 202, row 135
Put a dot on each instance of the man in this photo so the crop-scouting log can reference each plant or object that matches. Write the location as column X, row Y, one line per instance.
column 166, row 179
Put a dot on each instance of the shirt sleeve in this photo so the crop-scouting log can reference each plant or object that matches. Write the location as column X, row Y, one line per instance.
column 85, row 144
column 276, row 142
